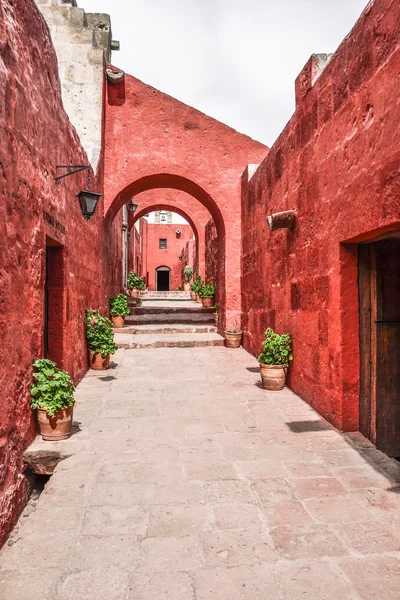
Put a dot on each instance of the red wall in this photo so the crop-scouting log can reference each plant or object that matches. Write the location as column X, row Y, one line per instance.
column 337, row 164
column 169, row 257
column 210, row 274
column 35, row 136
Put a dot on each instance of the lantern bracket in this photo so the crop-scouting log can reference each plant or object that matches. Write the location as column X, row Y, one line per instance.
column 71, row 170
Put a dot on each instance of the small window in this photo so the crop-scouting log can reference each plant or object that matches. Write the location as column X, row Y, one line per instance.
column 163, row 244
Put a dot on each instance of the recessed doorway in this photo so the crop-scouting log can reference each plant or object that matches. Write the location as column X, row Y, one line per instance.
column 379, row 288
column 163, row 276
column 53, row 338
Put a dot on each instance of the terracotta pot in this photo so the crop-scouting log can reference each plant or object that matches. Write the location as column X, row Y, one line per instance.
column 134, row 292
column 192, row 295
column 208, row 301
column 216, row 319
column 273, row 377
column 232, row 340
column 98, row 363
column 186, row 287
column 57, row 427
column 198, row 298
column 118, row 321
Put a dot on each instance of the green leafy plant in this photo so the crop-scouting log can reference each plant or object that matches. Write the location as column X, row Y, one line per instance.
column 188, row 273
column 179, row 288
column 134, row 281
column 276, row 349
column 99, row 333
column 207, row 291
column 119, row 306
column 52, row 388
column 216, row 308
column 197, row 285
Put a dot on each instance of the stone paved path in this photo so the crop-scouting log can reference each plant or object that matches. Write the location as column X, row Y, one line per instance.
column 190, row 482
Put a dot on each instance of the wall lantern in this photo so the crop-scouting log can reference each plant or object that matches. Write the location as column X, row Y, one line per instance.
column 180, row 257
column 87, row 200
column 282, row 220
column 132, row 206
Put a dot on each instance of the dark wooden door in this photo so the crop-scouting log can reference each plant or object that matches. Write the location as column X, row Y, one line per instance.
column 379, row 284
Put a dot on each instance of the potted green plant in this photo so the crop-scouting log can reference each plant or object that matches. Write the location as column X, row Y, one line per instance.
column 274, row 359
column 199, row 288
column 207, row 295
column 118, row 310
column 233, row 337
column 187, row 274
column 136, row 284
column 52, row 396
column 216, row 314
column 100, row 339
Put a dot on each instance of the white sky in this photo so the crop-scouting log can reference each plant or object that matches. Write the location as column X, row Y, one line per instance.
column 235, row 60
column 176, row 219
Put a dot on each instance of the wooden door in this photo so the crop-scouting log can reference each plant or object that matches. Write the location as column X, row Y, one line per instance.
column 379, row 285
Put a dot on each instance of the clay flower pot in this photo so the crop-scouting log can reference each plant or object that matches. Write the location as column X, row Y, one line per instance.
column 208, row 301
column 134, row 292
column 232, row 340
column 192, row 295
column 98, row 363
column 216, row 319
column 56, row 427
column 273, row 377
column 186, row 287
column 118, row 321
column 198, row 298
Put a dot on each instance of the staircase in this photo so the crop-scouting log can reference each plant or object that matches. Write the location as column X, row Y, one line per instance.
column 168, row 320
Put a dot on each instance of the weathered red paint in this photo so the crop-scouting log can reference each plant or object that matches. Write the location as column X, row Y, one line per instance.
column 35, row 136
column 154, row 141
column 337, row 164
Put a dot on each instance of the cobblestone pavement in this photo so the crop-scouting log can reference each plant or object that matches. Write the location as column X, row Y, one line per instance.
column 190, row 482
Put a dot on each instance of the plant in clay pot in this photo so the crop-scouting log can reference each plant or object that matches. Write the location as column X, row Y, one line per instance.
column 233, row 337
column 136, row 284
column 207, row 295
column 100, row 339
column 196, row 287
column 119, row 310
column 216, row 314
column 52, row 395
column 187, row 274
column 274, row 359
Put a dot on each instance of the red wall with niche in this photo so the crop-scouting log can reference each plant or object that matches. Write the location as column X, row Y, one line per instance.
column 337, row 164
column 35, row 136
column 169, row 257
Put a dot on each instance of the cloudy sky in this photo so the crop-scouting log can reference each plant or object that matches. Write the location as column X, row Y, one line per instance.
column 235, row 60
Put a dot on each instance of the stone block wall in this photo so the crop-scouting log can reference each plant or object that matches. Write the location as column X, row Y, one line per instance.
column 36, row 136
column 337, row 164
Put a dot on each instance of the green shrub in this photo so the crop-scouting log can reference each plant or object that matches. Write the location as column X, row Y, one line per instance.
column 134, row 281
column 276, row 349
column 207, row 291
column 188, row 273
column 52, row 389
column 119, row 306
column 197, row 285
column 99, row 333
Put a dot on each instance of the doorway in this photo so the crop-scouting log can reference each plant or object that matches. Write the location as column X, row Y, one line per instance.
column 53, row 338
column 163, row 279
column 379, row 289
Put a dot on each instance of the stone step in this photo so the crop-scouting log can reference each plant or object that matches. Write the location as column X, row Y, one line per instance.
column 170, row 318
column 166, row 295
column 169, row 310
column 172, row 328
column 183, row 340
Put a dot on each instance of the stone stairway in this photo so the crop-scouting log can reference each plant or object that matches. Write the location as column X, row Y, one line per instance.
column 168, row 322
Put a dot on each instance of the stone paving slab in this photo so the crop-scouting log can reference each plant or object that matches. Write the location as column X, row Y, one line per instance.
column 164, row 340
column 171, row 328
column 187, row 481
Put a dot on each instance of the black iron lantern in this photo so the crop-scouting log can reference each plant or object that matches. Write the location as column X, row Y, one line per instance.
column 132, row 206
column 88, row 202
column 180, row 257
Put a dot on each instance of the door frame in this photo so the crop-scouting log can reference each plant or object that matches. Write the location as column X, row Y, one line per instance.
column 163, row 269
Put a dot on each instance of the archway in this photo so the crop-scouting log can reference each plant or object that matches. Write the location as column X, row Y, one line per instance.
column 176, row 182
column 163, row 279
